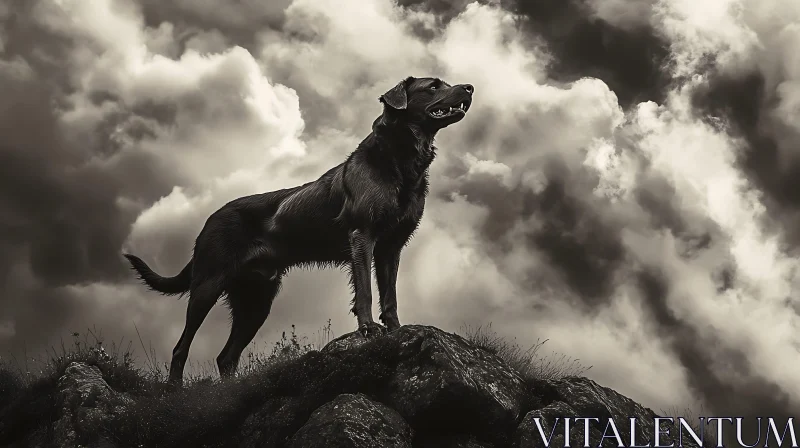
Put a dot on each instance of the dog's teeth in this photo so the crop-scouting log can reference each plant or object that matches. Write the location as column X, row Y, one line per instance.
column 442, row 112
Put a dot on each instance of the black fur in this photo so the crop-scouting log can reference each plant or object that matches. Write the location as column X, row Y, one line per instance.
column 360, row 213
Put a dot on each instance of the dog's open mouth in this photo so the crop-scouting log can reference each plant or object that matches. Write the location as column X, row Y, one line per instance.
column 449, row 111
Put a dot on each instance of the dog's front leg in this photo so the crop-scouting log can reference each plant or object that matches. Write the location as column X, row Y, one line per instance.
column 361, row 247
column 387, row 262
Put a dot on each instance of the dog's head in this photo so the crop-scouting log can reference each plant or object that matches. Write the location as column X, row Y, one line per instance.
column 430, row 103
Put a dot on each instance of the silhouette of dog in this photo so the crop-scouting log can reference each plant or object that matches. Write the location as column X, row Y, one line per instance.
column 361, row 211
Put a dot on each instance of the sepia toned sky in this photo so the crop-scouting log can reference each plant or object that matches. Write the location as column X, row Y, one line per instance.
column 626, row 184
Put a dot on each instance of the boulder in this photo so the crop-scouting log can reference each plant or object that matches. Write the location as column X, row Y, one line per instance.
column 355, row 421
column 87, row 402
column 575, row 397
column 552, row 415
column 444, row 384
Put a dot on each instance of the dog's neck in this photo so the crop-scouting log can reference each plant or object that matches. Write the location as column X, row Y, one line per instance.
column 406, row 143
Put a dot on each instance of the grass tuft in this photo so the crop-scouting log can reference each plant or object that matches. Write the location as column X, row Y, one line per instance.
column 530, row 362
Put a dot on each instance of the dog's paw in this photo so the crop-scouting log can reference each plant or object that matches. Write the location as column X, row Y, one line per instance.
column 390, row 321
column 372, row 329
column 392, row 325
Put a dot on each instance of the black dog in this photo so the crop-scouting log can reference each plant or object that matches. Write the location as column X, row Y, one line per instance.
column 362, row 210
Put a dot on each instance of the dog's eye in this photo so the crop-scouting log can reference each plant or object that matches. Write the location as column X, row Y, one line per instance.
column 432, row 87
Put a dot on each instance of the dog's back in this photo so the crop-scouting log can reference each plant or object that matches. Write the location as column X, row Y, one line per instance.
column 292, row 226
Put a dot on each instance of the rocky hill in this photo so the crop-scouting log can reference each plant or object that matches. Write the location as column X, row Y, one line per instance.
column 417, row 387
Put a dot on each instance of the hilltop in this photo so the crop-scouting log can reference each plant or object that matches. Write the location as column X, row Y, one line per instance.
column 416, row 387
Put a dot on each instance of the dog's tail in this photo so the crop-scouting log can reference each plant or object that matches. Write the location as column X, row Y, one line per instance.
column 165, row 285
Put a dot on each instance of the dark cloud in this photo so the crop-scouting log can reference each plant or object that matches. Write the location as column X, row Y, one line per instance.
column 657, row 197
column 577, row 242
column 582, row 248
column 720, row 375
column 62, row 223
column 769, row 154
column 445, row 10
column 238, row 22
column 52, row 202
column 634, row 61
column 72, row 229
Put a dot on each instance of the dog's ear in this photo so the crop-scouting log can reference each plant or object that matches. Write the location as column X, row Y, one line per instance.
column 397, row 97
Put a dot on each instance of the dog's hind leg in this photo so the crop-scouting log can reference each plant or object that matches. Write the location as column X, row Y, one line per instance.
column 250, row 304
column 202, row 298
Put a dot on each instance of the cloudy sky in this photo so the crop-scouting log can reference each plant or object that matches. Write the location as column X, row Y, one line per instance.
column 627, row 183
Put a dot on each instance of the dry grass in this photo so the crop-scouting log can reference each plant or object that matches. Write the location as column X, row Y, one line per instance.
column 530, row 362
column 287, row 347
column 29, row 399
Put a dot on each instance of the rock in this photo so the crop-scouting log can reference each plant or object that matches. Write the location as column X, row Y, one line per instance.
column 344, row 343
column 87, row 402
column 353, row 420
column 528, row 436
column 445, row 384
column 581, row 397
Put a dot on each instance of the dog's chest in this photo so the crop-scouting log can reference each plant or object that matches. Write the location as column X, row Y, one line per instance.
column 411, row 187
column 411, row 177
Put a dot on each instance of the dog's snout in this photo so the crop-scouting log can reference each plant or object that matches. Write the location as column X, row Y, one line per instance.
column 468, row 88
